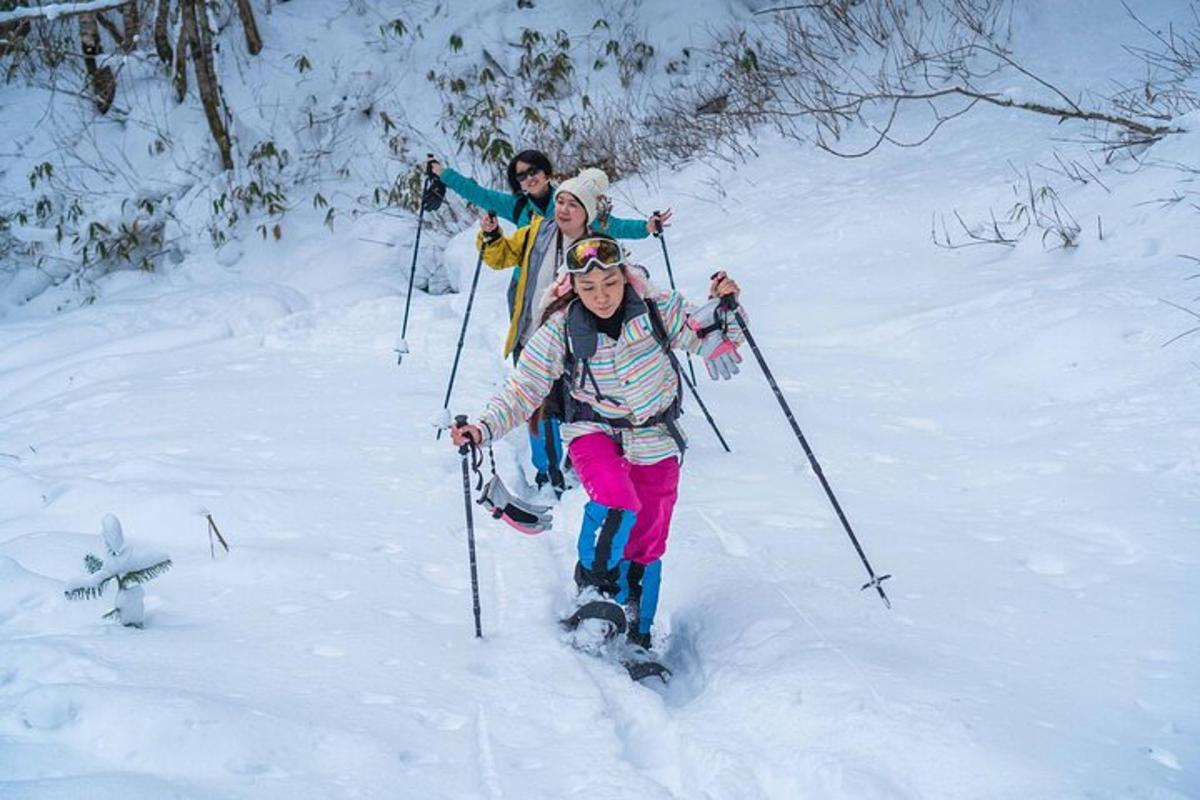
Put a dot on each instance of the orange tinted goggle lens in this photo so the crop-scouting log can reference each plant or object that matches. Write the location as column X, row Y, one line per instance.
column 589, row 253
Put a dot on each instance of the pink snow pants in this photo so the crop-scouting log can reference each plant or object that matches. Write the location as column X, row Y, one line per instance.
column 648, row 490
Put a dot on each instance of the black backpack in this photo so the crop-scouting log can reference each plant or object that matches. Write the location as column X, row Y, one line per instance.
column 580, row 346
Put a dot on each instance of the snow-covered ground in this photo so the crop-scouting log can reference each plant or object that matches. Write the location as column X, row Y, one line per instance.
column 1004, row 428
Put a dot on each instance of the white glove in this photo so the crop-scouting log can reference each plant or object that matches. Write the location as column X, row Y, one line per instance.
column 720, row 355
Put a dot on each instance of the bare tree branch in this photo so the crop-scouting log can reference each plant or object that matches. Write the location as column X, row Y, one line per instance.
column 801, row 7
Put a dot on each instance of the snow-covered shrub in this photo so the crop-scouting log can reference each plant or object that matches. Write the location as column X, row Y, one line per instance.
column 123, row 566
column 558, row 95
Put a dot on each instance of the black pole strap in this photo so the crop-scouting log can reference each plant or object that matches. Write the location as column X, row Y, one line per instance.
column 875, row 582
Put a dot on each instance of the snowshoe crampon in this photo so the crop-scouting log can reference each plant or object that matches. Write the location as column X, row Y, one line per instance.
column 642, row 669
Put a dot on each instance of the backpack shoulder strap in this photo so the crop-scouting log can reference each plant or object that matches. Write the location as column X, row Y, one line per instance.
column 660, row 335
column 519, row 208
column 657, row 325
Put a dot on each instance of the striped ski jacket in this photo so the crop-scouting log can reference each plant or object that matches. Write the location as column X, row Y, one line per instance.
column 633, row 373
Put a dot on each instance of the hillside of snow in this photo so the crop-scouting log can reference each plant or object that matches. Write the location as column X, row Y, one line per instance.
column 1004, row 427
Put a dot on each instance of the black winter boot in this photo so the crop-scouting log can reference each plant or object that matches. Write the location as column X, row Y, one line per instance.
column 638, row 638
column 633, row 598
column 606, row 582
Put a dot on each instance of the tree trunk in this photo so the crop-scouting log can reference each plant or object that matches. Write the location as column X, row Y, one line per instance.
column 131, row 21
column 253, row 39
column 162, row 38
column 187, row 22
column 104, row 83
column 206, row 78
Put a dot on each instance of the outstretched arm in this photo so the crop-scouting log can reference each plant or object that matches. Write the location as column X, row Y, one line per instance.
column 503, row 203
column 620, row 228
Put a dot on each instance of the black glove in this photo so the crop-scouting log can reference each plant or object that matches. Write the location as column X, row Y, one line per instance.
column 434, row 194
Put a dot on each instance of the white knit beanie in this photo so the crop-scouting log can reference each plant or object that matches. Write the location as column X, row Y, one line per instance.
column 587, row 187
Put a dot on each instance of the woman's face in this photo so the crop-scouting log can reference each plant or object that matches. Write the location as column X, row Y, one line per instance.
column 570, row 215
column 601, row 290
column 534, row 182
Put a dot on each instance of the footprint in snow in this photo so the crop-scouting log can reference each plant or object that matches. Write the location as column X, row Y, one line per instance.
column 1045, row 564
column 47, row 710
column 1164, row 757
column 371, row 699
column 918, row 424
column 441, row 720
column 285, row 609
column 255, row 768
column 444, row 578
column 327, row 651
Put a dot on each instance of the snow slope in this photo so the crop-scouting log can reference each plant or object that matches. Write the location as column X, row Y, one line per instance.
column 1003, row 427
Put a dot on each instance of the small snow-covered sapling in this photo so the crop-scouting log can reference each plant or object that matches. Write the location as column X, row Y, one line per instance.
column 123, row 565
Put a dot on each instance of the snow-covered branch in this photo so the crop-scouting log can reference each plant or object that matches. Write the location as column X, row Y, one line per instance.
column 56, row 10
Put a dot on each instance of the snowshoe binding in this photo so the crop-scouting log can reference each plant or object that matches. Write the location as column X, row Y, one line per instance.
column 593, row 625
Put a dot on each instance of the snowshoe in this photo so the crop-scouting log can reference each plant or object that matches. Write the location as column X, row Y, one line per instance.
column 641, row 669
column 604, row 610
column 593, row 625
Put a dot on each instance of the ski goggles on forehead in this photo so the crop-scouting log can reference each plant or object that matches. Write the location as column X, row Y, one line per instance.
column 590, row 253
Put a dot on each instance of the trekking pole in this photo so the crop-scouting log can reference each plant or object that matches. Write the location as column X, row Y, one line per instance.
column 464, row 451
column 700, row 403
column 658, row 234
column 729, row 303
column 402, row 345
column 461, row 336
column 691, row 384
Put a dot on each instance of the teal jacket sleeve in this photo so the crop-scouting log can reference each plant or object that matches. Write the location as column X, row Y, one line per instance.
column 621, row 228
column 503, row 203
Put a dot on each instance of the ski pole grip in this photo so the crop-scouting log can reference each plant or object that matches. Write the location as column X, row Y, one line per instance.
column 459, row 421
column 657, row 223
column 429, row 159
column 728, row 303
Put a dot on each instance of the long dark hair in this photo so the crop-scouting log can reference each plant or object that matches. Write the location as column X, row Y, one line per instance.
column 534, row 158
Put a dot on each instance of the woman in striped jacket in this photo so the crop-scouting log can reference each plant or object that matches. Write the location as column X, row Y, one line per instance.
column 609, row 338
